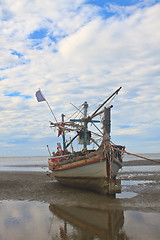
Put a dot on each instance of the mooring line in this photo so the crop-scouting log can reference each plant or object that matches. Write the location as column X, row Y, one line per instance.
column 134, row 154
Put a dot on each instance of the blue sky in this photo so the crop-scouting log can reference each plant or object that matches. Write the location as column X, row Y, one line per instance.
column 78, row 51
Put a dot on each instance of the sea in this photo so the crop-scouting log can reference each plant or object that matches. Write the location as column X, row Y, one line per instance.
column 40, row 163
column 36, row 163
column 23, row 220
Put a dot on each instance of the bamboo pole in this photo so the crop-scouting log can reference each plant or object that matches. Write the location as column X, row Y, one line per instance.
column 71, row 141
column 116, row 92
column 49, row 150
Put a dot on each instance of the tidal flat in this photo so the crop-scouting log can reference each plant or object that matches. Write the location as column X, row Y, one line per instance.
column 36, row 207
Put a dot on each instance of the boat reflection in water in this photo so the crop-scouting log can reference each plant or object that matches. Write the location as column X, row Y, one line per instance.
column 88, row 223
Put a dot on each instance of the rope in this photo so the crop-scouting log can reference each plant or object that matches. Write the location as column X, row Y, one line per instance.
column 78, row 112
column 136, row 155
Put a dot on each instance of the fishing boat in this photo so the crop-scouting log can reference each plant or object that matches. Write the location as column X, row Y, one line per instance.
column 92, row 169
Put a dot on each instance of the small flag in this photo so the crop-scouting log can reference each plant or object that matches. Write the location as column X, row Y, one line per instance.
column 39, row 96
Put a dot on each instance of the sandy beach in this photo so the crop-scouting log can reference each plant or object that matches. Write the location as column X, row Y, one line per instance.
column 37, row 186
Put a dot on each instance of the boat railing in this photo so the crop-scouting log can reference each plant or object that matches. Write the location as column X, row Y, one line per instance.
column 61, row 156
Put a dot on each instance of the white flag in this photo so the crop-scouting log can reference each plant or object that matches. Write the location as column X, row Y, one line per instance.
column 39, row 96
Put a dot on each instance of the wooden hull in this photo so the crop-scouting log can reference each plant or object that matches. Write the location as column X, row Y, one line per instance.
column 93, row 169
column 89, row 175
column 100, row 185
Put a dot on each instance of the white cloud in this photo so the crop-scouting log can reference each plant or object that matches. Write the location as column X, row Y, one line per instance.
column 90, row 57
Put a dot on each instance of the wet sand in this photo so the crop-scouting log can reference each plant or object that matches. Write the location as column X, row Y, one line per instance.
column 37, row 186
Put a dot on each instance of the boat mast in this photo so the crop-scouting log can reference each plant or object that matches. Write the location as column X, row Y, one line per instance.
column 85, row 124
column 63, row 133
column 84, row 133
column 107, row 124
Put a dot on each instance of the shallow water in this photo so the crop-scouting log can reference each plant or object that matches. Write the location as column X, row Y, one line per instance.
column 130, row 169
column 124, row 194
column 135, row 182
column 34, row 220
column 21, row 168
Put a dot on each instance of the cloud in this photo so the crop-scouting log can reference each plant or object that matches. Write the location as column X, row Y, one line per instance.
column 73, row 53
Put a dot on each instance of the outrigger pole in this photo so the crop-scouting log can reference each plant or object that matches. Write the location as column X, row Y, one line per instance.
column 116, row 92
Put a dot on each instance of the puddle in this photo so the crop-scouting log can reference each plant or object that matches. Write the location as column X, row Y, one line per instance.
column 125, row 195
column 130, row 169
column 34, row 220
column 138, row 174
column 141, row 225
column 135, row 182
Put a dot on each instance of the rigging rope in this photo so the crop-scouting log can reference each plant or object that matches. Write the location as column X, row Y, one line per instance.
column 78, row 112
column 156, row 161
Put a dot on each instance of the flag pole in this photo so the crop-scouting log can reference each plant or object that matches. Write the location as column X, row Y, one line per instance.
column 52, row 111
column 40, row 98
